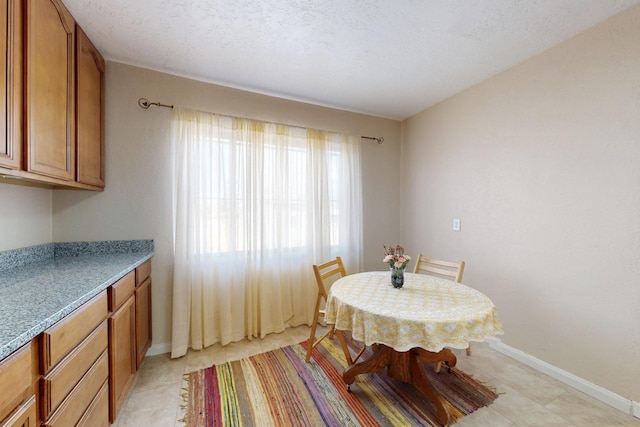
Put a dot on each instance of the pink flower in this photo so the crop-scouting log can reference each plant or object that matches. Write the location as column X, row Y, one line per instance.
column 395, row 257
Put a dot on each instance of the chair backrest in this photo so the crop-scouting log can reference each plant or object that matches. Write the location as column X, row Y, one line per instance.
column 328, row 272
column 438, row 267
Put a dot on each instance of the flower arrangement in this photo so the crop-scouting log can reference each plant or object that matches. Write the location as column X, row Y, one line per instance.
column 395, row 256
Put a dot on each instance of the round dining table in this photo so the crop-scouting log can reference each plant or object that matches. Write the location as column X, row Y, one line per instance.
column 408, row 326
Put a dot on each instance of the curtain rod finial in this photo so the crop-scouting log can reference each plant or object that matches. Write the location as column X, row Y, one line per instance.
column 379, row 140
column 144, row 103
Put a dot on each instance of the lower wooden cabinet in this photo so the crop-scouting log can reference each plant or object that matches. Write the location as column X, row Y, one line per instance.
column 77, row 403
column 79, row 371
column 23, row 416
column 57, row 384
column 97, row 415
column 16, row 389
column 129, row 332
column 64, row 336
column 143, row 320
column 74, row 364
column 122, row 354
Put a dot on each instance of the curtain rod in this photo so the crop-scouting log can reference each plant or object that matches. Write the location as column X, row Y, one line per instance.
column 144, row 103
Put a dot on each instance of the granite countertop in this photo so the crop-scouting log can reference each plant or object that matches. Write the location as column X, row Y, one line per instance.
column 41, row 285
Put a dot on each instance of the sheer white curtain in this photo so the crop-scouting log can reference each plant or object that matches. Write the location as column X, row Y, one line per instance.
column 255, row 206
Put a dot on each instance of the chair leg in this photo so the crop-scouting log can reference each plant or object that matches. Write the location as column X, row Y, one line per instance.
column 364, row 347
column 312, row 338
column 469, row 350
column 343, row 343
column 312, row 335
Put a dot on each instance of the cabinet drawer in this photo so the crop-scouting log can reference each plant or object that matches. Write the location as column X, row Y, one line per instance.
column 143, row 271
column 61, row 338
column 121, row 290
column 76, row 404
column 60, row 381
column 15, row 375
column 24, row 416
column 97, row 415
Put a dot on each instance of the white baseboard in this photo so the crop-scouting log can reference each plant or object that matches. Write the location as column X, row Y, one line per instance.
column 156, row 349
column 625, row 405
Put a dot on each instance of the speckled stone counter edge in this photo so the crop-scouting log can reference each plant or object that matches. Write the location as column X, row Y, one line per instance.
column 20, row 257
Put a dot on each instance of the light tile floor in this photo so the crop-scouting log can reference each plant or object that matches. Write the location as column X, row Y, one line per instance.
column 527, row 397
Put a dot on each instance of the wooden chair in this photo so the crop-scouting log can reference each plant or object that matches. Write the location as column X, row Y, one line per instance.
column 446, row 269
column 329, row 271
column 436, row 267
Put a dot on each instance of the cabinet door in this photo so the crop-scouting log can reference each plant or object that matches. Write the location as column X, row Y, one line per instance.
column 50, row 87
column 11, row 84
column 143, row 320
column 122, row 355
column 89, row 111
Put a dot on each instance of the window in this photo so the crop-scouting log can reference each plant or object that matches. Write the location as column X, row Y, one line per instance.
column 255, row 206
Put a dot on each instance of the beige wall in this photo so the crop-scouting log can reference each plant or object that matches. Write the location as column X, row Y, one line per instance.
column 542, row 165
column 25, row 216
column 137, row 201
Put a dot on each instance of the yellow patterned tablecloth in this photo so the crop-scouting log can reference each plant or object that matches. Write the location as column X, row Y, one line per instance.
column 427, row 312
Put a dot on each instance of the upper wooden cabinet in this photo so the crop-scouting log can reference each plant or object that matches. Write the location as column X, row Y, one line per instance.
column 52, row 109
column 50, row 89
column 11, row 83
column 89, row 111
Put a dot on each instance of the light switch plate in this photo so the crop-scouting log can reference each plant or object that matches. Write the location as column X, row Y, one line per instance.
column 456, row 224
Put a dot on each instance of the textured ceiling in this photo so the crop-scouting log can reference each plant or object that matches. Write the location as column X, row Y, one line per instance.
column 386, row 58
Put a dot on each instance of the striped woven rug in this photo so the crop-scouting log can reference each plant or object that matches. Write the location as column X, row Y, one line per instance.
column 279, row 389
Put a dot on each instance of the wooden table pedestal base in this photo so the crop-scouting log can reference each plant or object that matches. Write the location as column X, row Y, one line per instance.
column 407, row 367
